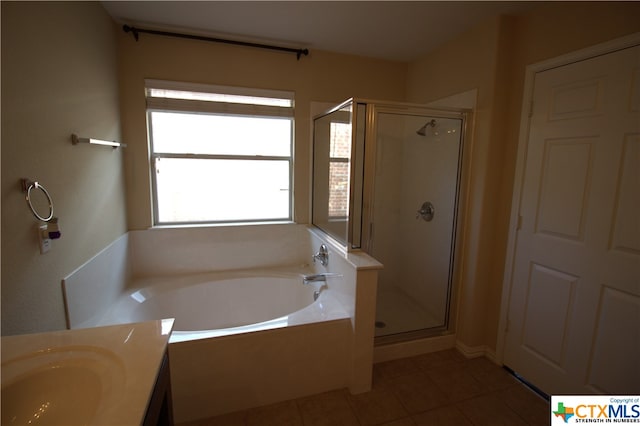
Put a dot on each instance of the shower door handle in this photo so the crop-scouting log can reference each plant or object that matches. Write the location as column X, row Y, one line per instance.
column 426, row 212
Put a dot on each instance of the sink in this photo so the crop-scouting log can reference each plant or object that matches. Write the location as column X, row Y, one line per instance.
column 92, row 376
column 62, row 385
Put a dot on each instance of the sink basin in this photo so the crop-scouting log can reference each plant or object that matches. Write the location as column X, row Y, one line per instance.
column 101, row 376
column 62, row 385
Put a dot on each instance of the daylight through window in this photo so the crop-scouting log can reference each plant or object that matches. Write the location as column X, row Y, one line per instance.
column 219, row 154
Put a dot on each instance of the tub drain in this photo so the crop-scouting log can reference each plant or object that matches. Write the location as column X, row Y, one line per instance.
column 381, row 324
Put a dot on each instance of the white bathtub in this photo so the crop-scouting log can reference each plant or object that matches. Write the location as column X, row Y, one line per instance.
column 224, row 303
column 245, row 338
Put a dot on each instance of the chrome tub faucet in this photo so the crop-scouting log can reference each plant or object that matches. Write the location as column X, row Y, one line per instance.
column 321, row 277
column 322, row 255
column 308, row 279
column 315, row 278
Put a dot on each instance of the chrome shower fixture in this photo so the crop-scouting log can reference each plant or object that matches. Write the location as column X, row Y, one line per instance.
column 422, row 131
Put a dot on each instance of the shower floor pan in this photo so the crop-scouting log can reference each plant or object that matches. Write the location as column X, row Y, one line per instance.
column 397, row 313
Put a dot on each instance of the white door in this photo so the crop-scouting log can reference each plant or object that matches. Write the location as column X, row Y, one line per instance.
column 573, row 322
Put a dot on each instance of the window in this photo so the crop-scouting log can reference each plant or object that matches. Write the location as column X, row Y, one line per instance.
column 339, row 155
column 219, row 154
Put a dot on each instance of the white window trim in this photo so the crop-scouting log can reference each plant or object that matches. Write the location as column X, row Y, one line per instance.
column 159, row 104
column 210, row 88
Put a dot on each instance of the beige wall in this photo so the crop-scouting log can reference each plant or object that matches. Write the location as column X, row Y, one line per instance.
column 59, row 76
column 544, row 33
column 467, row 63
column 58, row 62
column 493, row 58
column 321, row 76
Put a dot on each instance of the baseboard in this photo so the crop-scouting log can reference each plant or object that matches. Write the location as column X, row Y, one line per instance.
column 431, row 344
column 477, row 351
column 413, row 347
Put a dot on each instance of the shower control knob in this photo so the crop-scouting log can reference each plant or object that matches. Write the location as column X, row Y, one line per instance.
column 426, row 212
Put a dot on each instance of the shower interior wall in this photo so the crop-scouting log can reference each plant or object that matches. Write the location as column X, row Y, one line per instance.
column 411, row 169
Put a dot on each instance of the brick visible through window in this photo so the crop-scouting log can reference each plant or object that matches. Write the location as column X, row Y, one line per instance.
column 339, row 152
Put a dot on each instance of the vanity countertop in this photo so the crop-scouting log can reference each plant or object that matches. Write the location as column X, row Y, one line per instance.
column 101, row 376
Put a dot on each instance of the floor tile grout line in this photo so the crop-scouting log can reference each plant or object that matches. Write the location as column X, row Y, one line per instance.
column 297, row 403
column 353, row 410
column 463, row 364
column 386, row 384
column 466, row 416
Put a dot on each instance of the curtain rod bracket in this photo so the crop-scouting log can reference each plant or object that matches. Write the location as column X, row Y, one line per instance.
column 132, row 30
column 136, row 34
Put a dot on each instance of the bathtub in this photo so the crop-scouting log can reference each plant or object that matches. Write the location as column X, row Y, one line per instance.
column 242, row 338
column 219, row 304
column 247, row 332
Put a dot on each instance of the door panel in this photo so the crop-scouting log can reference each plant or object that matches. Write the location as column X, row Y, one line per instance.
column 625, row 230
column 610, row 343
column 574, row 310
column 576, row 100
column 566, row 174
column 550, row 296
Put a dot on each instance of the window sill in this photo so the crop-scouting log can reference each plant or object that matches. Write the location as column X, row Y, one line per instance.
column 220, row 225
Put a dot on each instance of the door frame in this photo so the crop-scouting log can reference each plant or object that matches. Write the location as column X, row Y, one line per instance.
column 523, row 142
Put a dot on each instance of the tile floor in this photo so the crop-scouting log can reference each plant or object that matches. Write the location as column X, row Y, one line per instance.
column 440, row 388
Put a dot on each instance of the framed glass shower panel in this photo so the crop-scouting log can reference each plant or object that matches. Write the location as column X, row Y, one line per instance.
column 338, row 164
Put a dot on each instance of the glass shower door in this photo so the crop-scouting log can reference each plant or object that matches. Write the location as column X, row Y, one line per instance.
column 412, row 219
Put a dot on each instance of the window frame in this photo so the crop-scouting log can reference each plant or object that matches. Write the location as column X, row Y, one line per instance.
column 189, row 106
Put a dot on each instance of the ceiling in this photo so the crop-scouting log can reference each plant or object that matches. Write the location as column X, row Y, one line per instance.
column 394, row 30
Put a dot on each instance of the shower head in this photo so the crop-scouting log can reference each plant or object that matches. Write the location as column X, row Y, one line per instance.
column 422, row 131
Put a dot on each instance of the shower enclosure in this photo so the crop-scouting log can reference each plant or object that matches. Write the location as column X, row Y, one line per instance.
column 386, row 180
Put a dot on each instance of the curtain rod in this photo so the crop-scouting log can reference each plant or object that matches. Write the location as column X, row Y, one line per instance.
column 136, row 31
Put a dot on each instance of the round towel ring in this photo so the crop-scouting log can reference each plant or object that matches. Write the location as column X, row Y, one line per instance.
column 36, row 185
